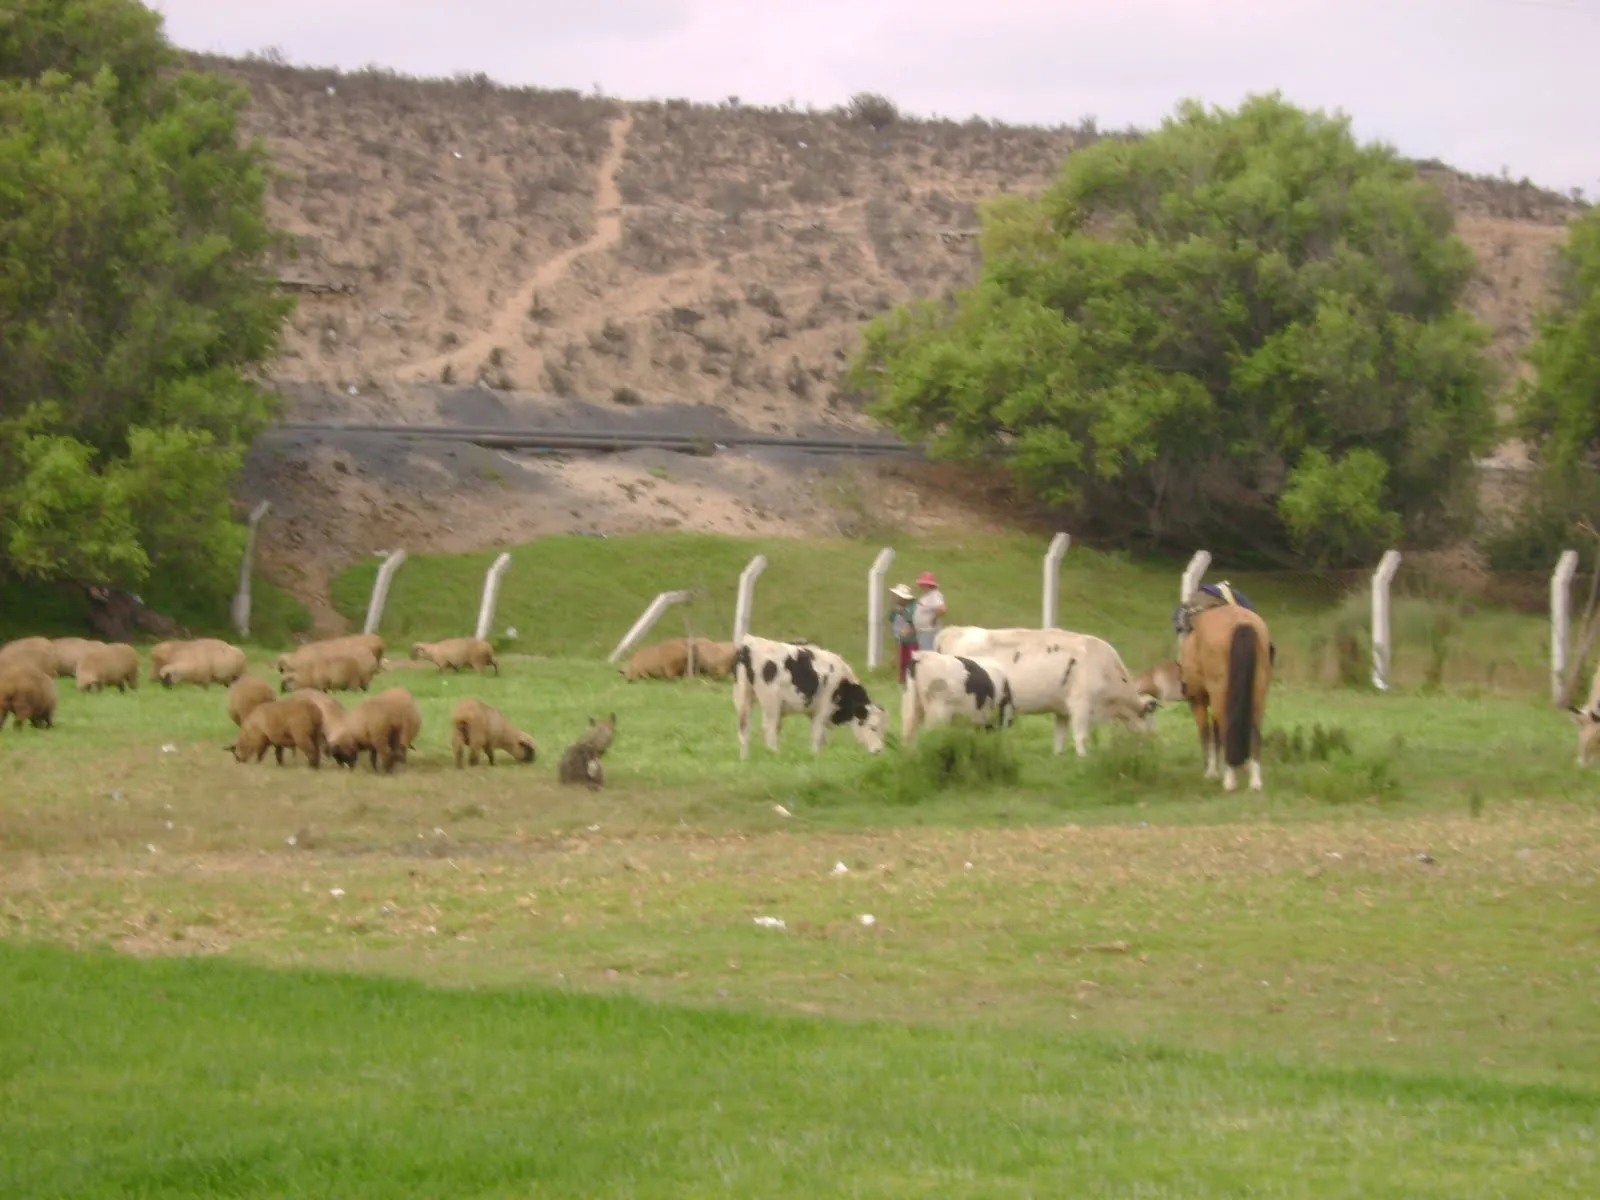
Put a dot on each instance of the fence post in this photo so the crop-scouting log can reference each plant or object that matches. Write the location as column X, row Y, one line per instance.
column 1561, row 620
column 241, row 598
column 1381, row 579
column 651, row 615
column 1052, row 577
column 747, row 587
column 380, row 589
column 491, row 594
column 880, row 568
column 1193, row 574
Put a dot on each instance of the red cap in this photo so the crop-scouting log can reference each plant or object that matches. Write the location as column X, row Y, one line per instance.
column 926, row 579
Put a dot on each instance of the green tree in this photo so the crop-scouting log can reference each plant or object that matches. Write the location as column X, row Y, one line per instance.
column 134, row 300
column 1244, row 330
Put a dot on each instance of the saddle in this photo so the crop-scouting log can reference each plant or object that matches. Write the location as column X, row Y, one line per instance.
column 1207, row 595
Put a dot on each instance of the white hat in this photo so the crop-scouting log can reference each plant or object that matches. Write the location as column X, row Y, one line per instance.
column 902, row 591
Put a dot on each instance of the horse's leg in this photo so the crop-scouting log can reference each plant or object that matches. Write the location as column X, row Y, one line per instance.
column 1207, row 747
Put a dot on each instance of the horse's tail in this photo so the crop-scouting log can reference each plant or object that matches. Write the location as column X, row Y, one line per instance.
column 1242, row 654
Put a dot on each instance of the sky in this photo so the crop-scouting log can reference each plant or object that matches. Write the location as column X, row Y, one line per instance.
column 1484, row 85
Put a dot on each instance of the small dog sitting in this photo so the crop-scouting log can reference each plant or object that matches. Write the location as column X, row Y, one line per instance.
column 581, row 761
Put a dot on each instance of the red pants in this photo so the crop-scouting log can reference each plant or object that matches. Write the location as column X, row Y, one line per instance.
column 906, row 651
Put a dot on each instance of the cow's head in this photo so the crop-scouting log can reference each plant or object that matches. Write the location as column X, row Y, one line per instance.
column 1137, row 710
column 868, row 721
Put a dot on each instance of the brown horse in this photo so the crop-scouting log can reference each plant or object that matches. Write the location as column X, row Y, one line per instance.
column 1226, row 661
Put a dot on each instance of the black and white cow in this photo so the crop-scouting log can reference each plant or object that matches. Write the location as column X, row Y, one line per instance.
column 787, row 677
column 1077, row 677
column 942, row 687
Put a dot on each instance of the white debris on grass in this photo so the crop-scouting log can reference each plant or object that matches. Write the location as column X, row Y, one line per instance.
column 867, row 919
column 771, row 922
column 840, row 869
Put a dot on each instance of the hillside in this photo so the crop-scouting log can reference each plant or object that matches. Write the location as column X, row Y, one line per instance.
column 517, row 255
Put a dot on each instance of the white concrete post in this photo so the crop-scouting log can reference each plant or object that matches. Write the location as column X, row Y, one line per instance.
column 651, row 615
column 380, row 590
column 1561, row 620
column 747, row 587
column 241, row 598
column 1193, row 574
column 1052, row 577
column 880, row 568
column 1381, row 579
column 491, row 594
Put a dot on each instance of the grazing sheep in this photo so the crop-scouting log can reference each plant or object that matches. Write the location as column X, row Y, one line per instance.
column 384, row 725
column 160, row 654
column 358, row 645
column 664, row 660
column 27, row 693
column 332, row 710
column 581, row 764
column 67, row 651
column 204, row 661
column 246, row 695
column 36, row 652
column 293, row 723
column 109, row 664
column 457, row 653
column 330, row 672
column 478, row 727
column 1164, row 681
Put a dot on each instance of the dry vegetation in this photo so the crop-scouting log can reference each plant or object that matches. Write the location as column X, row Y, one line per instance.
column 547, row 244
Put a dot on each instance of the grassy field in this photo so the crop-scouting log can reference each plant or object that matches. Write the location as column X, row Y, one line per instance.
column 1103, row 978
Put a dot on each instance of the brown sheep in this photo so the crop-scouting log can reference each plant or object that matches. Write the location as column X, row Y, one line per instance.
column 581, row 764
column 384, row 725
column 476, row 726
column 28, row 694
column 204, row 661
column 68, row 651
column 160, row 654
column 1164, row 681
column 330, row 672
column 36, row 652
column 246, row 695
column 714, row 660
column 358, row 645
column 664, row 660
column 457, row 653
column 600, row 734
column 110, row 664
column 293, row 723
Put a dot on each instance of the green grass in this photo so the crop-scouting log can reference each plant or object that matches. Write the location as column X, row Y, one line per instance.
column 574, row 597
column 204, row 1079
column 1104, row 977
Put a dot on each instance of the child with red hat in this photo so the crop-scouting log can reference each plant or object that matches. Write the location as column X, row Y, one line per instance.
column 930, row 610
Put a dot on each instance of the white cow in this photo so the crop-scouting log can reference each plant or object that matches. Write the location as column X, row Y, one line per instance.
column 940, row 687
column 1078, row 677
column 788, row 677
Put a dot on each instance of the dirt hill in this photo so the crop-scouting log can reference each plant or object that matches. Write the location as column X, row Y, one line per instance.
column 525, row 251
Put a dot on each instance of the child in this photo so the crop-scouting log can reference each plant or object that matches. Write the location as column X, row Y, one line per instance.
column 902, row 621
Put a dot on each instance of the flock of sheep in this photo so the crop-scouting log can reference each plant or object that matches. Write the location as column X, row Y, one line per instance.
column 305, row 719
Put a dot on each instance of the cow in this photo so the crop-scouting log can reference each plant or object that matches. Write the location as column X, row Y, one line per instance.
column 786, row 677
column 940, row 687
column 1077, row 677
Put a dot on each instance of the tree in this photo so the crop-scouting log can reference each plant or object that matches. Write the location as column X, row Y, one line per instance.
column 134, row 301
column 1244, row 329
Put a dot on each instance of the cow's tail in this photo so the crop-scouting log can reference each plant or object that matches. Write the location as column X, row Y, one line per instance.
column 1241, row 712
column 744, row 681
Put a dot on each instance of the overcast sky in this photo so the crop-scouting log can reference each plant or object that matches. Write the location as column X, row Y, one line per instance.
column 1481, row 84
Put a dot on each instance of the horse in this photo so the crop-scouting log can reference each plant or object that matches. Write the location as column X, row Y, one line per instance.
column 1226, row 664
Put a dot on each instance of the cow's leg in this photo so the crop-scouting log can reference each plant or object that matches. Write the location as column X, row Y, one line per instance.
column 741, row 703
column 910, row 714
column 1061, row 732
column 770, row 718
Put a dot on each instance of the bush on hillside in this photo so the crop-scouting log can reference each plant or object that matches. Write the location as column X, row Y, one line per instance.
column 134, row 304
column 1244, row 331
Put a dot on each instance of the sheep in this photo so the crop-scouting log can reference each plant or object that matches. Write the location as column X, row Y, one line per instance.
column 358, row 645
column 68, row 651
column 110, row 664
column 331, row 672
column 476, row 726
column 664, row 660
column 160, row 654
column 581, row 764
column 384, row 725
column 204, row 661
column 36, row 652
column 457, row 653
column 28, row 694
column 291, row 723
column 246, row 695
column 714, row 660
column 332, row 710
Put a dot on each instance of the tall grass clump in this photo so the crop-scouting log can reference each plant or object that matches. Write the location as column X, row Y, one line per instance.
column 950, row 758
